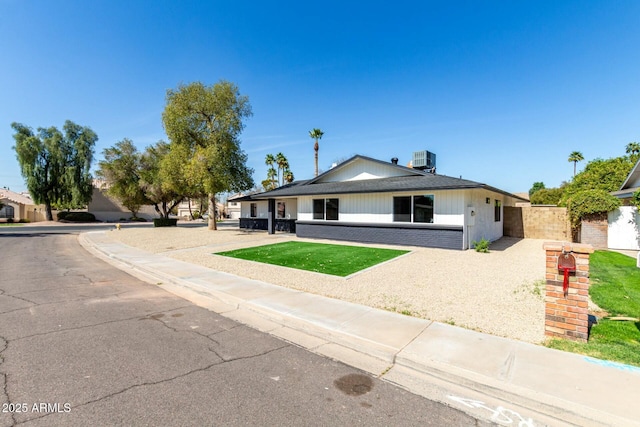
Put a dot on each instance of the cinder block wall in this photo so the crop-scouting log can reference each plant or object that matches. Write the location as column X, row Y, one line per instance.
column 537, row 222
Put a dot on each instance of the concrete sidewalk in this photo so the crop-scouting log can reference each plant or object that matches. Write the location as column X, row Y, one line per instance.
column 495, row 379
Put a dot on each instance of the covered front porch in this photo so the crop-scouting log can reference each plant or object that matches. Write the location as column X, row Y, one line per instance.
column 273, row 215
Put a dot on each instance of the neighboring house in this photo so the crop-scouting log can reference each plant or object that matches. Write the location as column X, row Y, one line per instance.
column 109, row 209
column 19, row 206
column 188, row 206
column 368, row 200
column 233, row 209
column 624, row 223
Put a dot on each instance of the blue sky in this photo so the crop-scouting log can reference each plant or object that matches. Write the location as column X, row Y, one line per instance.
column 501, row 91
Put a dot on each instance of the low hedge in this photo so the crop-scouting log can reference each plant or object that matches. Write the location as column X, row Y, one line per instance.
column 76, row 216
column 165, row 222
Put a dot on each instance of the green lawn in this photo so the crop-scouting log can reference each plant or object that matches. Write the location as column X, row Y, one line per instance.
column 615, row 287
column 337, row 260
column 11, row 224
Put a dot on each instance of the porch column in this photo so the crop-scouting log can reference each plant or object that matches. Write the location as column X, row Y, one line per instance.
column 271, row 218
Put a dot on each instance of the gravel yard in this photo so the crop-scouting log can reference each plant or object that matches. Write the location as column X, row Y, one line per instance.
column 500, row 293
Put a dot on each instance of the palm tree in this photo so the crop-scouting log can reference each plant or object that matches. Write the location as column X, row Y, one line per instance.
column 271, row 177
column 283, row 164
column 287, row 176
column 316, row 134
column 633, row 148
column 270, row 161
column 575, row 157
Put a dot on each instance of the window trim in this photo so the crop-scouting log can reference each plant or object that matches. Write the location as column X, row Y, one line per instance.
column 409, row 213
column 325, row 208
column 412, row 219
column 433, row 202
column 317, row 215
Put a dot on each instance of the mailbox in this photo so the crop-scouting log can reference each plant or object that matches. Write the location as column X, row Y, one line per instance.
column 566, row 264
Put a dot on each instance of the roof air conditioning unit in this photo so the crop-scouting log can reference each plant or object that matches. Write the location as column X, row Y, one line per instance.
column 424, row 160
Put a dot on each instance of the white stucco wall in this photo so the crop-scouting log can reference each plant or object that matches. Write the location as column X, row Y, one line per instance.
column 363, row 169
column 483, row 223
column 291, row 208
column 624, row 228
column 378, row 207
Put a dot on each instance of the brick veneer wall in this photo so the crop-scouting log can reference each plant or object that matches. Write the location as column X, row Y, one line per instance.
column 594, row 230
column 567, row 317
column 537, row 222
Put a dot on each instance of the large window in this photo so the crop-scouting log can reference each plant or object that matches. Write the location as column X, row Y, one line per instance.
column 423, row 208
column 326, row 209
column 7, row 212
column 318, row 208
column 413, row 209
column 254, row 210
column 280, row 211
column 332, row 210
column 402, row 209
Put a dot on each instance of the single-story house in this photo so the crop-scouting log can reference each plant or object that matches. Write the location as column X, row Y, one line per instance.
column 186, row 207
column 233, row 208
column 624, row 223
column 369, row 200
column 19, row 207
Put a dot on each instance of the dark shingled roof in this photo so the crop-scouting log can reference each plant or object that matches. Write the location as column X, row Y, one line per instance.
column 418, row 181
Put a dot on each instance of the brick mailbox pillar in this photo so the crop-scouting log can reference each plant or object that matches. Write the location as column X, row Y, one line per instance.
column 567, row 317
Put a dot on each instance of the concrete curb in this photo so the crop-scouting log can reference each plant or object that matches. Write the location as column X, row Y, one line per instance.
column 394, row 347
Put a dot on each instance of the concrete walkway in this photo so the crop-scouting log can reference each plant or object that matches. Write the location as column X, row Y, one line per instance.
column 495, row 379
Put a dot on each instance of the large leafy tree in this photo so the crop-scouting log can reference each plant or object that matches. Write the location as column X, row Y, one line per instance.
column 535, row 187
column 56, row 165
column 121, row 169
column 316, row 134
column 547, row 196
column 588, row 192
column 575, row 157
column 633, row 150
column 206, row 121
column 162, row 195
column 599, row 174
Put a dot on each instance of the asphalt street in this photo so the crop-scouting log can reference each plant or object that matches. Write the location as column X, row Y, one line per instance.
column 82, row 343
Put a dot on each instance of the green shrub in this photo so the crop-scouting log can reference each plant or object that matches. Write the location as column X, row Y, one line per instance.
column 590, row 202
column 137, row 219
column 62, row 214
column 24, row 221
column 165, row 222
column 79, row 217
column 482, row 245
column 10, row 220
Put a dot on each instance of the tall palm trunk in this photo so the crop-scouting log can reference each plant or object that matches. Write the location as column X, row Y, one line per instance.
column 316, row 147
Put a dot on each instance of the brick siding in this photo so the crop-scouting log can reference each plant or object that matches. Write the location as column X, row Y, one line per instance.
column 567, row 316
column 594, row 231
